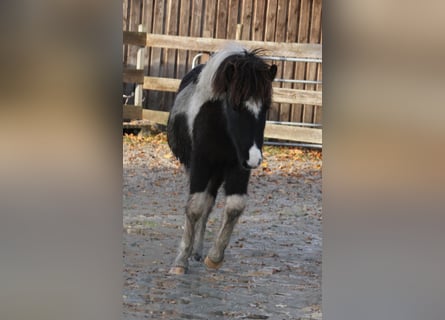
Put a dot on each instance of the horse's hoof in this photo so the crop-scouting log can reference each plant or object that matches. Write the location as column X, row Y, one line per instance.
column 177, row 270
column 212, row 265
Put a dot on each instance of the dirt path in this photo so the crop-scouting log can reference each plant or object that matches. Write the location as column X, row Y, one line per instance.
column 272, row 267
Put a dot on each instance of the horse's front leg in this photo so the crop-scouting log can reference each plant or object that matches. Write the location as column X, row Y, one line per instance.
column 235, row 205
column 236, row 181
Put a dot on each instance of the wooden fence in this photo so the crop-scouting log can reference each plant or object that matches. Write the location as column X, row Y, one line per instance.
column 280, row 95
column 282, row 21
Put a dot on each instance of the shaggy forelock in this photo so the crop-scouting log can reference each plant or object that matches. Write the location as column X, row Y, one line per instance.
column 250, row 77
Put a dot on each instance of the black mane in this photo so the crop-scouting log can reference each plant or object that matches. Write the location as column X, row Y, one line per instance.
column 242, row 76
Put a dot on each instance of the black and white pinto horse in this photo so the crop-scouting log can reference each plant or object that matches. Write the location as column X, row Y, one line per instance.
column 216, row 129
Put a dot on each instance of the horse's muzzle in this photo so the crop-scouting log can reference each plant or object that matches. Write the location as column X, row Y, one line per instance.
column 249, row 165
column 255, row 157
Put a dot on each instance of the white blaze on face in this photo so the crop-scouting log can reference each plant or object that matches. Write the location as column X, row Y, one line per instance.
column 255, row 156
column 253, row 106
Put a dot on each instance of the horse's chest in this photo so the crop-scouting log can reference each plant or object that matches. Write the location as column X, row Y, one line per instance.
column 210, row 134
column 210, row 122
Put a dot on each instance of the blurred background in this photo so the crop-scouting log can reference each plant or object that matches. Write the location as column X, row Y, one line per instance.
column 61, row 151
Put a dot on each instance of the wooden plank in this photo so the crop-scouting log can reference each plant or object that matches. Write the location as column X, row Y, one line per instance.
column 172, row 29
column 282, row 95
column 317, row 109
column 296, row 50
column 208, row 29
column 258, row 20
column 134, row 21
column 184, row 28
column 133, row 76
column 197, row 17
column 303, row 37
column 221, row 22
column 311, row 68
column 281, row 36
column 195, row 27
column 272, row 131
column 285, row 95
column 246, row 19
column 281, row 28
column 125, row 14
column 269, row 35
column 303, row 28
column 160, row 117
column 147, row 21
column 232, row 19
column 147, row 14
column 135, row 38
column 268, row 25
column 315, row 30
column 296, row 110
column 270, row 20
column 135, row 14
column 130, row 112
column 171, row 54
column 156, row 61
column 293, row 133
column 161, row 84
column 156, row 99
column 297, row 113
column 125, row 21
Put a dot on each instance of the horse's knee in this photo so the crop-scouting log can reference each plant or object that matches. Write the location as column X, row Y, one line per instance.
column 198, row 204
column 235, row 205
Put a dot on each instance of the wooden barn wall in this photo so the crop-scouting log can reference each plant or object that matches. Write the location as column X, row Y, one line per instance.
column 269, row 20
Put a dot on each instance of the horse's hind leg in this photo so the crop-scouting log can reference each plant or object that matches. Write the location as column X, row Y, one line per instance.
column 200, row 227
column 197, row 204
column 236, row 191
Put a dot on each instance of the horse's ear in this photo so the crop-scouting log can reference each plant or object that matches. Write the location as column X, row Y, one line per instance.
column 272, row 72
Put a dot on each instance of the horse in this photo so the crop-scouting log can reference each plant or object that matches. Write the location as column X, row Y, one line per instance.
column 216, row 130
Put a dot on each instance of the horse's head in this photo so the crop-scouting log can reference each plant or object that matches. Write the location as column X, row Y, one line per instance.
column 244, row 81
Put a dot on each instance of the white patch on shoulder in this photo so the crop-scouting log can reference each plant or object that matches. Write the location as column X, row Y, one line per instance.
column 255, row 156
column 204, row 90
column 253, row 106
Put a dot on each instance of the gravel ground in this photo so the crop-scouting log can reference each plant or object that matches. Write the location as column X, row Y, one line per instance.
column 272, row 266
